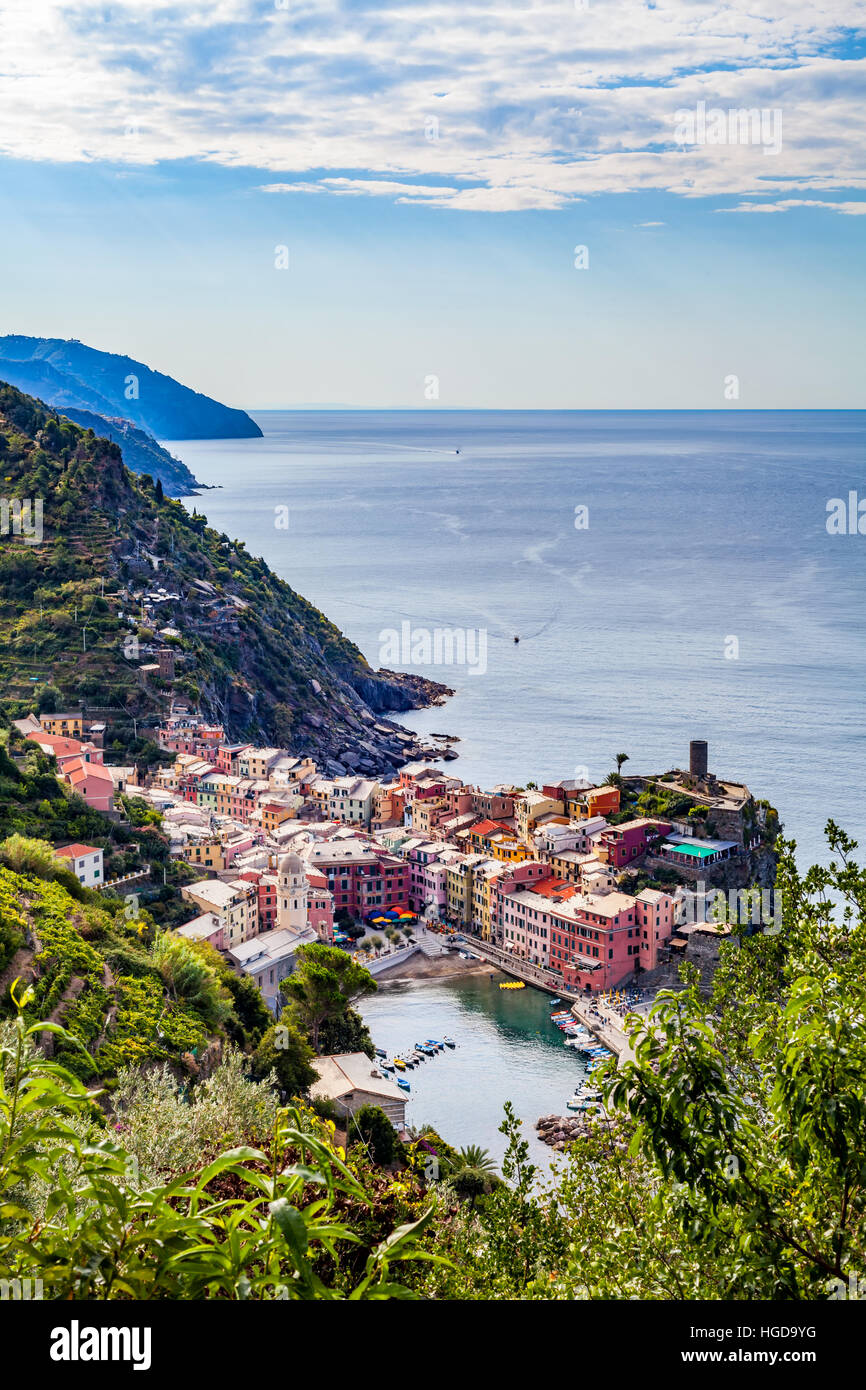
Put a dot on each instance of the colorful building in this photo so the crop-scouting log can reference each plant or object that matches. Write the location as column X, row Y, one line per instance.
column 622, row 844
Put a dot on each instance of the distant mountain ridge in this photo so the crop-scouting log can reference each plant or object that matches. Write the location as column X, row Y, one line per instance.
column 68, row 373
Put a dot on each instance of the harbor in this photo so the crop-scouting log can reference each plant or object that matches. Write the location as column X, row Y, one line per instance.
column 506, row 1046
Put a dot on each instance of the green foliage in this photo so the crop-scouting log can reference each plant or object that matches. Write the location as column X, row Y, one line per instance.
column 322, row 986
column 284, row 1052
column 188, row 976
column 251, row 1223
column 371, row 1127
column 730, row 1161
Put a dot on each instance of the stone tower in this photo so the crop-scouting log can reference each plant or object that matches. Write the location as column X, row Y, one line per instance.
column 698, row 758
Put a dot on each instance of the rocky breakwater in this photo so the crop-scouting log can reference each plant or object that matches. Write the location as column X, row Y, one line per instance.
column 560, row 1131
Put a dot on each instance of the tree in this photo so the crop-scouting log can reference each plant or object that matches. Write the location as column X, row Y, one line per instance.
column 48, row 699
column 346, row 1033
column 187, row 975
column 284, row 1050
column 620, row 758
column 322, row 986
column 377, row 942
column 370, row 1126
column 474, row 1173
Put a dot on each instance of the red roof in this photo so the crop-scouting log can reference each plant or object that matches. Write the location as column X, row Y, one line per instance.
column 485, row 827
column 76, row 851
column 60, row 746
column 554, row 888
column 78, row 770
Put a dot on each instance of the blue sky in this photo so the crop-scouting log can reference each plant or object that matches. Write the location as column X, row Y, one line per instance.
column 431, row 170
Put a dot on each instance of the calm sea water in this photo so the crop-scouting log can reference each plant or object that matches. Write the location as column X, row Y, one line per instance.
column 506, row 1049
column 704, row 600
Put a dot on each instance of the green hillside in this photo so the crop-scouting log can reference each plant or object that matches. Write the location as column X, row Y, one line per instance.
column 250, row 652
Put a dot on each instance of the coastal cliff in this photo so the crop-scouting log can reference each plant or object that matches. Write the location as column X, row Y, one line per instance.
column 120, row 572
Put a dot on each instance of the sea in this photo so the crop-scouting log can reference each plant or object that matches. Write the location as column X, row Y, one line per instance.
column 670, row 576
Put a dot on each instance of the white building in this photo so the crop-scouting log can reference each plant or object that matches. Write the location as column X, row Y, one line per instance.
column 268, row 958
column 85, row 861
column 350, row 1080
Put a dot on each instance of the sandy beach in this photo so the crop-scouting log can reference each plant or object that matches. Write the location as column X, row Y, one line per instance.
column 423, row 967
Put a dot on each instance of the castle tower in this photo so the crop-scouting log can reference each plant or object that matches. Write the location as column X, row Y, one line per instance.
column 698, row 758
column 292, row 893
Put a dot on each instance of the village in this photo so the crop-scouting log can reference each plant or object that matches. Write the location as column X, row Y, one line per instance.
column 558, row 885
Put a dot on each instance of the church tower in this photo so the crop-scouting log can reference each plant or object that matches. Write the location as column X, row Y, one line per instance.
column 292, row 894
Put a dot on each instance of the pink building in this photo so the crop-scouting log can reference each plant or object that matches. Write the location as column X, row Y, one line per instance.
column 601, row 940
column 622, row 844
column 91, row 781
column 428, row 877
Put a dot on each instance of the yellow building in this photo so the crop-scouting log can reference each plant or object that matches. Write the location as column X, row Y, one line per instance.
column 64, row 725
column 208, row 854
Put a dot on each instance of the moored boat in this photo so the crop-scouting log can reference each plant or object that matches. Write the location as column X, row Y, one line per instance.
column 404, row 1085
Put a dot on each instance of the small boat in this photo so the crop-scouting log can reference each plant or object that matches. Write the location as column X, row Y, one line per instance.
column 398, row 1062
column 517, row 639
column 435, row 1044
column 449, row 1042
column 554, row 1001
column 425, row 1050
column 387, row 1066
column 380, row 1052
column 404, row 1085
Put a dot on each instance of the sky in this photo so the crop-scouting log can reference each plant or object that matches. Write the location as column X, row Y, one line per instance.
column 469, row 203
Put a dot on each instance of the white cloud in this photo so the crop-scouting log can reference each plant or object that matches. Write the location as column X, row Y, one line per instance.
column 538, row 104
column 784, row 204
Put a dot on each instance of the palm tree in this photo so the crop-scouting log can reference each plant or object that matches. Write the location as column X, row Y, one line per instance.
column 620, row 759
column 473, row 1156
column 474, row 1173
